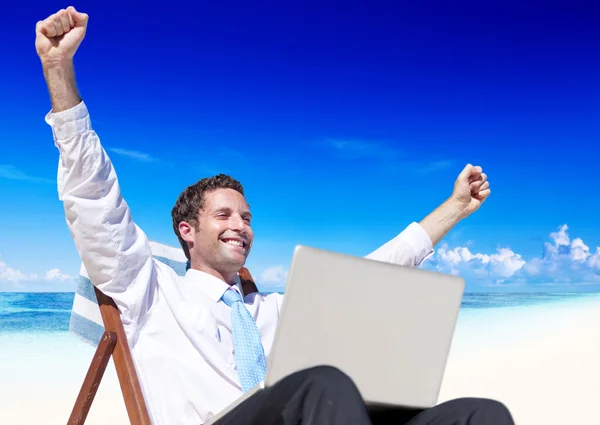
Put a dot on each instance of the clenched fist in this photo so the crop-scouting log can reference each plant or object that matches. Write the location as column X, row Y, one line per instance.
column 471, row 189
column 59, row 35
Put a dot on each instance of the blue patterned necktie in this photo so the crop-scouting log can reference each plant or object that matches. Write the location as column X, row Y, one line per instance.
column 249, row 352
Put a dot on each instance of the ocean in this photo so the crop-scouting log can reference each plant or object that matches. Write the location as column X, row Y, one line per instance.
column 35, row 312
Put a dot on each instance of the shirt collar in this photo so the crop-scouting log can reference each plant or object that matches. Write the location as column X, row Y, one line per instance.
column 212, row 286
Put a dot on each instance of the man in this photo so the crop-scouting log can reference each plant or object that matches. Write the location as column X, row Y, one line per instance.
column 196, row 345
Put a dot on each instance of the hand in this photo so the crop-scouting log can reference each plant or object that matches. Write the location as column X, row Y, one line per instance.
column 471, row 189
column 59, row 35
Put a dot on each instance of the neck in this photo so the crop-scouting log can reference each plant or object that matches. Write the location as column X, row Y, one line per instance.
column 229, row 278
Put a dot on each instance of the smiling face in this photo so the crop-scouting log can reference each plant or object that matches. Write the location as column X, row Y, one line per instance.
column 211, row 219
column 220, row 242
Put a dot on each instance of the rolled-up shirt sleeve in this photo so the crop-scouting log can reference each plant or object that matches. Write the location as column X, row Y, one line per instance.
column 409, row 248
column 114, row 250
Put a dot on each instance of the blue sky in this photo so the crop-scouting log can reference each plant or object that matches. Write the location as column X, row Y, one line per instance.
column 344, row 121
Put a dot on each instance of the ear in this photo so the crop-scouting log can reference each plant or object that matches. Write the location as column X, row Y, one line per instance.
column 187, row 231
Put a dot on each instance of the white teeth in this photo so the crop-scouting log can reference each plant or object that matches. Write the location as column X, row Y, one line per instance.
column 236, row 243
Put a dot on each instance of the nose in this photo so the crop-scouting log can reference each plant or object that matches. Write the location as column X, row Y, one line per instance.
column 236, row 222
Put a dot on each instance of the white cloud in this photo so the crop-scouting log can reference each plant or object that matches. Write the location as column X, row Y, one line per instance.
column 565, row 261
column 56, row 274
column 137, row 155
column 274, row 275
column 393, row 159
column 11, row 172
column 492, row 268
column 14, row 279
column 13, row 275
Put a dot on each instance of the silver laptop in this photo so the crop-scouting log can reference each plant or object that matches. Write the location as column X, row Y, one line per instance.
column 386, row 326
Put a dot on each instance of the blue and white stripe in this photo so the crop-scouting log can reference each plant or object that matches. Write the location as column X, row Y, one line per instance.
column 86, row 321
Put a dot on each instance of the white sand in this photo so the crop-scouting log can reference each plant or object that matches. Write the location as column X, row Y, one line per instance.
column 40, row 379
column 541, row 361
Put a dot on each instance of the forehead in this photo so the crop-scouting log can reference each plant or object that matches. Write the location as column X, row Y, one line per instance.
column 225, row 198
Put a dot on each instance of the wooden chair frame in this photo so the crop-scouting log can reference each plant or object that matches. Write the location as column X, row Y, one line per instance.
column 114, row 344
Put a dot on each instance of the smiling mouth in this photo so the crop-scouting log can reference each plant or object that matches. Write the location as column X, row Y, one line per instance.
column 236, row 243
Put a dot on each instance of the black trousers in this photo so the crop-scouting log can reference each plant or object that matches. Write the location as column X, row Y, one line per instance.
column 325, row 396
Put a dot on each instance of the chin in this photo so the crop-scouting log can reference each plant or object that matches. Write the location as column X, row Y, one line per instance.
column 236, row 262
column 233, row 259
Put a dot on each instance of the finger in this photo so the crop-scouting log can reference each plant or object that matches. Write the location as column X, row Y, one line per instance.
column 484, row 186
column 57, row 23
column 80, row 19
column 465, row 173
column 483, row 194
column 474, row 177
column 39, row 27
column 470, row 172
column 64, row 21
column 476, row 172
column 48, row 27
column 476, row 183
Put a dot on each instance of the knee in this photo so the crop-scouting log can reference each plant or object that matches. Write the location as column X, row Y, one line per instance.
column 486, row 408
column 330, row 377
column 327, row 373
column 489, row 405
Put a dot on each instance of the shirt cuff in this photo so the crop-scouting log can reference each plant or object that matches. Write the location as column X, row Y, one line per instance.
column 420, row 241
column 70, row 122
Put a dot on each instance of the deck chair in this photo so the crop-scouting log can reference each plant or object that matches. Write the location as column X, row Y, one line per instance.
column 96, row 320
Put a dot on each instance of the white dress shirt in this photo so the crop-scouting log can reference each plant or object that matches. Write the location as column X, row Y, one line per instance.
column 178, row 330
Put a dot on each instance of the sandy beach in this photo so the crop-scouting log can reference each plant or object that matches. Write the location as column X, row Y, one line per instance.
column 541, row 361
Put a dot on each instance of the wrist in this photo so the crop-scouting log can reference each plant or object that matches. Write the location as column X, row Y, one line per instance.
column 56, row 64
column 456, row 208
column 439, row 222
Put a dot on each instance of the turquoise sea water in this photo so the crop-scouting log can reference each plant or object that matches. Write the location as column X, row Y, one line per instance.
column 50, row 312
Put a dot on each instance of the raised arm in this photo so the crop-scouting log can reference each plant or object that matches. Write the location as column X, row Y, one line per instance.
column 416, row 242
column 114, row 251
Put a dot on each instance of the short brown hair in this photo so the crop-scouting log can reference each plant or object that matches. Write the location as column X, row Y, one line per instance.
column 191, row 201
